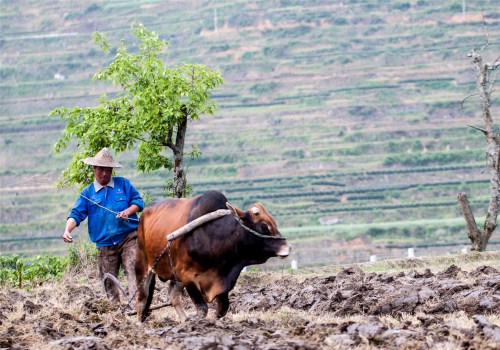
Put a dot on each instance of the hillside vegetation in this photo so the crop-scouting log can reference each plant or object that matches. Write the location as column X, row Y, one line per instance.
column 343, row 118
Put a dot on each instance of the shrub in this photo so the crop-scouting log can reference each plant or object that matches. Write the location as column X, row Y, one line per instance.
column 401, row 6
column 261, row 89
column 20, row 272
column 92, row 8
column 218, row 48
column 82, row 255
column 7, row 72
column 432, row 158
column 293, row 32
column 242, row 20
column 363, row 111
column 339, row 21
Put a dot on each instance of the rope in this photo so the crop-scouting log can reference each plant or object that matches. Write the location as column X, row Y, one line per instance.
column 172, row 263
column 103, row 207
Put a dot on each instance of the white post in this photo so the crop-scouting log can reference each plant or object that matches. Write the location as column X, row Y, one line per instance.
column 411, row 253
column 373, row 258
column 294, row 264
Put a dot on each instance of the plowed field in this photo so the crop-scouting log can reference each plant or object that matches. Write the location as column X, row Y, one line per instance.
column 449, row 308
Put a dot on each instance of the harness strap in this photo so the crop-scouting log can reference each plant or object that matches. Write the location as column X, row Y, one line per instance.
column 255, row 232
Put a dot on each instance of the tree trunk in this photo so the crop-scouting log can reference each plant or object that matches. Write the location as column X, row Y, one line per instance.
column 475, row 234
column 479, row 238
column 179, row 173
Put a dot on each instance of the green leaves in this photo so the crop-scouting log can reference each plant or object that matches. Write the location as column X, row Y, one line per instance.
column 15, row 270
column 153, row 101
column 149, row 157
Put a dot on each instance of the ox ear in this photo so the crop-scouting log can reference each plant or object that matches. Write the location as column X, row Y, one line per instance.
column 235, row 211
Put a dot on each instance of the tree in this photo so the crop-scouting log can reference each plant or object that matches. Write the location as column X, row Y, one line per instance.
column 151, row 111
column 485, row 81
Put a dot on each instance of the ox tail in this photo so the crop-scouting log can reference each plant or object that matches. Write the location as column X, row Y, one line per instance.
column 146, row 291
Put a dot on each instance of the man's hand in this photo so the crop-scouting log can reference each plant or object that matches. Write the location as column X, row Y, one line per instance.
column 67, row 237
column 70, row 226
column 123, row 215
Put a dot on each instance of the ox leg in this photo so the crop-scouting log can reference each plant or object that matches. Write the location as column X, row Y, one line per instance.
column 198, row 300
column 222, row 304
column 145, row 293
column 175, row 293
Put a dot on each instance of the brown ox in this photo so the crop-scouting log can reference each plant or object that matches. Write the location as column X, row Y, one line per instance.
column 208, row 260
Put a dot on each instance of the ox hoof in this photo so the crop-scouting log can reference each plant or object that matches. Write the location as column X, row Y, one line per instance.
column 183, row 319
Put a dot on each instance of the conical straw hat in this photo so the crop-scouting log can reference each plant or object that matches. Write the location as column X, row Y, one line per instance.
column 103, row 158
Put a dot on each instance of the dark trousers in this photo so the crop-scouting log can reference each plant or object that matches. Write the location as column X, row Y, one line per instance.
column 109, row 260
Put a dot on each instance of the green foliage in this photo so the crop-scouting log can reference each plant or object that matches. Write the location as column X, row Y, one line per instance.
column 219, row 48
column 261, row 89
column 169, row 189
column 422, row 159
column 7, row 72
column 153, row 101
column 19, row 271
column 147, row 197
column 92, row 8
column 363, row 111
column 242, row 19
column 82, row 255
column 292, row 32
column 403, row 6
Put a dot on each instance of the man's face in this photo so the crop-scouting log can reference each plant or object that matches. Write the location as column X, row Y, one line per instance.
column 103, row 174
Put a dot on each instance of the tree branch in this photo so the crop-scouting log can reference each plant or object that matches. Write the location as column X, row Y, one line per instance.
column 493, row 78
column 169, row 142
column 148, row 141
column 487, row 36
column 473, row 231
column 475, row 127
column 462, row 103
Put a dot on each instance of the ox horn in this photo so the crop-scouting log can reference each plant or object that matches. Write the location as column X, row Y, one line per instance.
column 256, row 210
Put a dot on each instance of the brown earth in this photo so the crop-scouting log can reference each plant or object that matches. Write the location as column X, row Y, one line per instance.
column 448, row 309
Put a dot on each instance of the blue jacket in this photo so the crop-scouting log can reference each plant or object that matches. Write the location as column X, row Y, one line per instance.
column 104, row 228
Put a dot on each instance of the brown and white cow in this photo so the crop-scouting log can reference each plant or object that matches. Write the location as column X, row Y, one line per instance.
column 206, row 261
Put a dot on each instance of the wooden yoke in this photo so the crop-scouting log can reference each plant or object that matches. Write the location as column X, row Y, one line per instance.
column 197, row 222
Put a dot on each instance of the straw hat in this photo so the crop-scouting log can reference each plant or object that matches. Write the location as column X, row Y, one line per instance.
column 103, row 158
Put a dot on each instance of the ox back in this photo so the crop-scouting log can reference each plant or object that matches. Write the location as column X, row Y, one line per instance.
column 208, row 260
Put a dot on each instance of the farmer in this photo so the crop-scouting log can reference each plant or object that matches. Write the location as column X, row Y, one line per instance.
column 111, row 204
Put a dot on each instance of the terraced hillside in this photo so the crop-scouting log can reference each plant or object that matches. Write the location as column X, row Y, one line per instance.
column 344, row 119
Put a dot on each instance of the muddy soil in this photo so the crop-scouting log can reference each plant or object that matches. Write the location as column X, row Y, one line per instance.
column 448, row 309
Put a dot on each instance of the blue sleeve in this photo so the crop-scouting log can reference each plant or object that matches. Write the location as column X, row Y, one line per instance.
column 135, row 197
column 79, row 211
